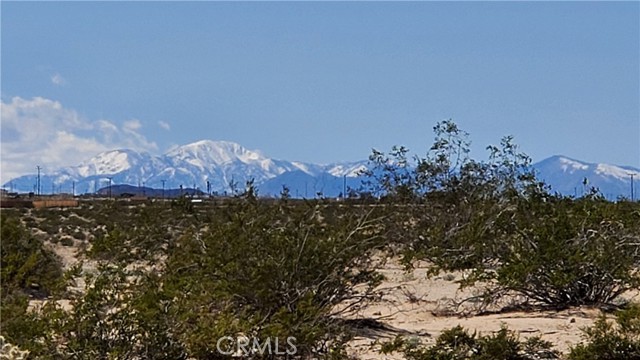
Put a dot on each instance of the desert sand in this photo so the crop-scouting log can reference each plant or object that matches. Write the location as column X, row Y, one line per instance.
column 417, row 306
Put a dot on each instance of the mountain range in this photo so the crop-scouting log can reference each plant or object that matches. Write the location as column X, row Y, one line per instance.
column 575, row 178
column 221, row 167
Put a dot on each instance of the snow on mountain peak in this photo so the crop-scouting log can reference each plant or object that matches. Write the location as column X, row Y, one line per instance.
column 347, row 169
column 615, row 171
column 205, row 152
column 571, row 165
column 108, row 162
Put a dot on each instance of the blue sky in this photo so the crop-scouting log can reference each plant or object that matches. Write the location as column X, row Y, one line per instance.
column 318, row 82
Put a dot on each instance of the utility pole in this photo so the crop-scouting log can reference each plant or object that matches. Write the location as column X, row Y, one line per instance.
column 38, row 182
column 109, row 186
column 344, row 187
column 632, row 175
column 73, row 189
column 163, row 181
column 144, row 191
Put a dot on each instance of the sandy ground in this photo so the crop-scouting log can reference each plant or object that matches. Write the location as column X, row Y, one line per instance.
column 417, row 306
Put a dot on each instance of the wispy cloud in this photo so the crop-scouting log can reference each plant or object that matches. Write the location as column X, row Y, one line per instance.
column 58, row 80
column 42, row 132
column 132, row 125
column 165, row 125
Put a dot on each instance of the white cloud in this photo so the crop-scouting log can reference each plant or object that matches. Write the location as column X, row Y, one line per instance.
column 42, row 132
column 106, row 126
column 58, row 80
column 132, row 125
column 165, row 125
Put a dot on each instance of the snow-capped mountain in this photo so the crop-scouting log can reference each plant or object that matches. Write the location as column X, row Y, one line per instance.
column 222, row 166
column 222, row 163
column 567, row 176
column 218, row 165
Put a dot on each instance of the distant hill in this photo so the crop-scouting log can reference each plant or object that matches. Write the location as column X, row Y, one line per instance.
column 130, row 190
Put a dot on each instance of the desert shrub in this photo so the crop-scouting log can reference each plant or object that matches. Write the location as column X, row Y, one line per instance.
column 458, row 344
column 111, row 320
column 97, row 232
column 66, row 241
column 49, row 227
column 143, row 236
column 30, row 222
column 272, row 271
column 16, row 323
column 611, row 340
column 74, row 220
column 563, row 257
column 183, row 204
column 266, row 270
column 80, row 235
column 25, row 261
column 27, row 270
column 495, row 220
column 110, row 247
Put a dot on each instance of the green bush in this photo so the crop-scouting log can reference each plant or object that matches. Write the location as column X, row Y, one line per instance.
column 276, row 270
column 27, row 270
column 562, row 255
column 25, row 262
column 67, row 241
column 262, row 269
column 496, row 220
column 80, row 235
column 144, row 234
column 458, row 344
column 108, row 321
column 112, row 246
column 611, row 340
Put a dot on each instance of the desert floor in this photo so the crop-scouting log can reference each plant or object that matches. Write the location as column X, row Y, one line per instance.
column 415, row 305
